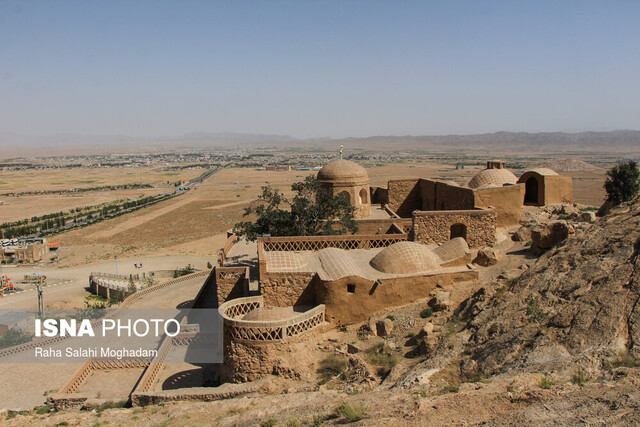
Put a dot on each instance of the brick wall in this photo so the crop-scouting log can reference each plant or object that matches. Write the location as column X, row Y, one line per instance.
column 287, row 289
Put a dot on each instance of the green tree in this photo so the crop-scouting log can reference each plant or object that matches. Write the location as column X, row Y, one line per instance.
column 311, row 212
column 622, row 182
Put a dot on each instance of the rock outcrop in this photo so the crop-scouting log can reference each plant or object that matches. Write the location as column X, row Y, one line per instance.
column 487, row 257
column 579, row 303
column 545, row 236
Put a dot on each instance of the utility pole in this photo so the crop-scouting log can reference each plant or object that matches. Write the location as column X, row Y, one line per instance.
column 39, row 286
column 115, row 257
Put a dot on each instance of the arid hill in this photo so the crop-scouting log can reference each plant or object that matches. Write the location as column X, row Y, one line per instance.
column 570, row 165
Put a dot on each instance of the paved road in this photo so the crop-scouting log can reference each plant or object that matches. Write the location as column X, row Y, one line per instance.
column 67, row 287
column 27, row 298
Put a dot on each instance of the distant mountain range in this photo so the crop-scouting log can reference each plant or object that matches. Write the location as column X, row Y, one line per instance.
column 543, row 141
column 616, row 141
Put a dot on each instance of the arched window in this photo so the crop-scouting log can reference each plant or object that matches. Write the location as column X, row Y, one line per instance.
column 346, row 195
column 363, row 196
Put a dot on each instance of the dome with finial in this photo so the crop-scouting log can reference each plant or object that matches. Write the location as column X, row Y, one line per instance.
column 342, row 171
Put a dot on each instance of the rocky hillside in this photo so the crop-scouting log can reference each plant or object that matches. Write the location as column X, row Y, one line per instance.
column 578, row 304
column 556, row 343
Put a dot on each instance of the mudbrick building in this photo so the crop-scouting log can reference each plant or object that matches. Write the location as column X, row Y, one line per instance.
column 417, row 239
column 273, row 296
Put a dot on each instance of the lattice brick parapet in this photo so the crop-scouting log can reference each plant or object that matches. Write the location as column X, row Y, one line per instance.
column 265, row 331
column 315, row 243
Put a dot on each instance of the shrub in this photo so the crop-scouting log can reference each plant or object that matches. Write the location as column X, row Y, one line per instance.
column 350, row 413
column 332, row 366
column 545, row 383
column 427, row 312
column 111, row 405
column 44, row 409
column 622, row 182
column 183, row 271
column 318, row 420
column 209, row 266
column 269, row 423
column 624, row 359
column 579, row 378
column 533, row 310
column 379, row 357
column 392, row 318
column 452, row 387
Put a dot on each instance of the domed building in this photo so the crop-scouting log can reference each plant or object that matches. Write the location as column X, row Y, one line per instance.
column 543, row 186
column 404, row 258
column 493, row 177
column 349, row 179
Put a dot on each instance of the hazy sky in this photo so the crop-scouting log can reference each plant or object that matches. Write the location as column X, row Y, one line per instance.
column 318, row 68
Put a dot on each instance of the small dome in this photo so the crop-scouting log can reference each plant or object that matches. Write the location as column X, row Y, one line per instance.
column 452, row 250
column 337, row 264
column 492, row 178
column 342, row 170
column 405, row 257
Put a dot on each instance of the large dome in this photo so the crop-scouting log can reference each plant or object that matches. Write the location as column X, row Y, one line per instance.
column 405, row 257
column 493, row 178
column 341, row 171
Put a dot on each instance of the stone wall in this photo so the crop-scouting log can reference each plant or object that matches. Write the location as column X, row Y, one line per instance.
column 287, row 289
column 199, row 394
column 250, row 361
column 231, row 282
column 379, row 195
column 109, row 292
column 383, row 226
column 434, row 227
column 436, row 195
column 404, row 196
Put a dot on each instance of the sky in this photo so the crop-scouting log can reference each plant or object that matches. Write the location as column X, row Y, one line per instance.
column 318, row 68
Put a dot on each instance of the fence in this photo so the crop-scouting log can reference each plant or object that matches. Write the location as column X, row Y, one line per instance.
column 265, row 331
column 72, row 385
column 315, row 243
column 224, row 252
column 115, row 276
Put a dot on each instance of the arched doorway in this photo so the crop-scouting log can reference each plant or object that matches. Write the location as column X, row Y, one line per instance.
column 346, row 195
column 458, row 230
column 531, row 191
column 363, row 196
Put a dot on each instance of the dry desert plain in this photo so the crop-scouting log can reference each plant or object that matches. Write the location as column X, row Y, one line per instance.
column 14, row 208
column 194, row 223
column 191, row 228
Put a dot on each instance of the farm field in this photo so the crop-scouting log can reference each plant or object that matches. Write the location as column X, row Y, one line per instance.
column 63, row 179
column 13, row 208
column 195, row 223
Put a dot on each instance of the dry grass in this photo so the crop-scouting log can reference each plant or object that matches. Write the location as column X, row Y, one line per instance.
column 62, row 179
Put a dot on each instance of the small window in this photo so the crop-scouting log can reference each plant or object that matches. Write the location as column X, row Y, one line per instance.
column 351, row 289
